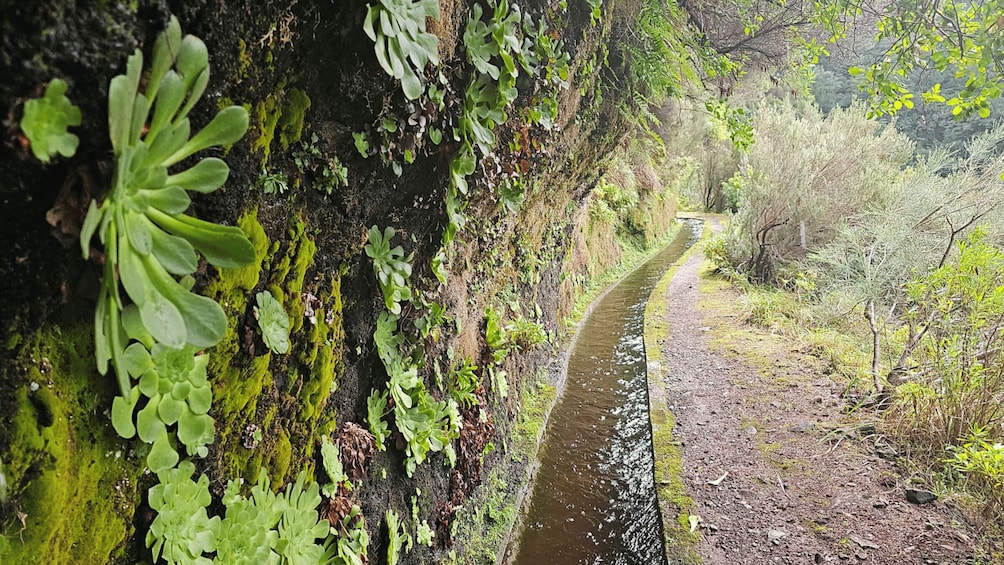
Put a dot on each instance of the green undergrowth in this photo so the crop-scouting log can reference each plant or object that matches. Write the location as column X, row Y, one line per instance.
column 72, row 478
column 675, row 504
column 281, row 396
column 780, row 328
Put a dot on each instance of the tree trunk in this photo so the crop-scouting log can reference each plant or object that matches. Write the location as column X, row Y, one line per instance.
column 876, row 344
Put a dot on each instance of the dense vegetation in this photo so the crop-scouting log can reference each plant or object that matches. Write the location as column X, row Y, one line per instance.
column 889, row 261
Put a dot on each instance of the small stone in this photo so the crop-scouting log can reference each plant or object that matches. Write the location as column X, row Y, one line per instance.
column 887, row 453
column 918, row 496
column 774, row 536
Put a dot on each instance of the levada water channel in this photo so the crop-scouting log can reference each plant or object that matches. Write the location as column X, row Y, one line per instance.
column 594, row 497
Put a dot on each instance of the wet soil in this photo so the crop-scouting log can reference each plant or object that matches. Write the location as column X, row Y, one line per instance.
column 767, row 451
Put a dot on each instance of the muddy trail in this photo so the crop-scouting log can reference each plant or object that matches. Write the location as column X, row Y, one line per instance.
column 777, row 468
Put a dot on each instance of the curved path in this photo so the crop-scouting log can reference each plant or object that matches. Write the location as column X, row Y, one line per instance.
column 768, row 483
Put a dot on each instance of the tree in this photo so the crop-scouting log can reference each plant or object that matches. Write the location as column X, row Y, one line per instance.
column 964, row 38
column 878, row 251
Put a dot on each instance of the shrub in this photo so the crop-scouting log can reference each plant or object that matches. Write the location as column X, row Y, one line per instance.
column 981, row 460
column 834, row 166
column 958, row 376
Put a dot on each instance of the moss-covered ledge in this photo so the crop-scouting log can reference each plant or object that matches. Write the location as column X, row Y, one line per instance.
column 674, row 503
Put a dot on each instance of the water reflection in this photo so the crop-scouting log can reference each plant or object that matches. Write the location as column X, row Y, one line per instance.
column 594, row 498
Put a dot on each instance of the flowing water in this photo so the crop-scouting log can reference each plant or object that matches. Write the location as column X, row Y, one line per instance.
column 594, row 498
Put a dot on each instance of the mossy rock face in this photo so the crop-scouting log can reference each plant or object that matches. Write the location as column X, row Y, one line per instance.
column 72, row 479
column 300, row 70
column 282, row 396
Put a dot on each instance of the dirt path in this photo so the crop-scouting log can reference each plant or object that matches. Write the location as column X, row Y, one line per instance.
column 752, row 414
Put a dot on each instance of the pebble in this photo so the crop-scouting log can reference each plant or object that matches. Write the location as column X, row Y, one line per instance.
column 774, row 536
column 919, row 496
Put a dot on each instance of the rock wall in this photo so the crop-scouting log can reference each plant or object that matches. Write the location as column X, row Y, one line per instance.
column 334, row 146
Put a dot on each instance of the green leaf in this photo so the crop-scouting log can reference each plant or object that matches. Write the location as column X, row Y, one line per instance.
column 200, row 399
column 91, row 223
column 226, row 128
column 168, row 199
column 169, row 409
column 273, row 322
column 121, row 98
column 174, row 253
column 122, row 410
column 203, row 322
column 149, row 426
column 162, row 456
column 362, row 144
column 167, row 102
column 411, row 85
column 137, row 360
column 138, row 230
column 198, row 86
column 45, row 121
column 149, row 384
column 195, row 429
column 372, row 14
column 132, row 274
column 224, row 246
column 163, row 320
column 102, row 348
column 133, row 326
column 206, row 176
column 193, row 57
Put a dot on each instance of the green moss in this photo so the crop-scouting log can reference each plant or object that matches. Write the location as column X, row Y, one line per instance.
column 235, row 385
column 537, row 399
column 293, row 111
column 481, row 526
column 284, row 395
column 64, row 463
column 238, row 380
column 280, row 455
column 280, row 113
column 243, row 60
column 322, row 354
column 266, row 118
column 304, row 259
